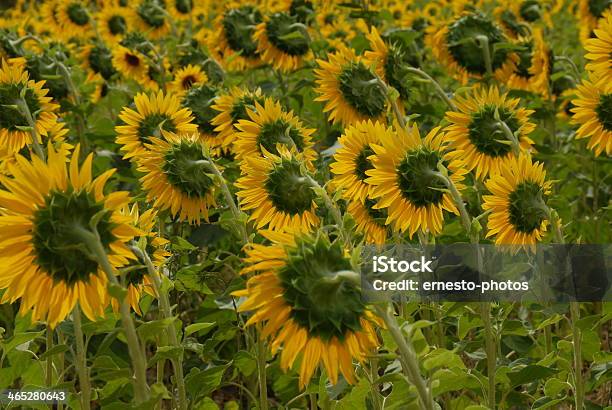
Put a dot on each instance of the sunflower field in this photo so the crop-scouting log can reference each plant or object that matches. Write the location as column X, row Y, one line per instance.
column 187, row 188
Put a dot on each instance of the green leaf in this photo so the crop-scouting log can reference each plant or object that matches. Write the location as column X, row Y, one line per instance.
column 151, row 330
column 207, row 404
column 188, row 279
column 197, row 327
column 57, row 349
column 546, row 403
column 530, row 374
column 245, row 362
column 465, row 324
column 166, row 353
column 19, row 339
column 553, row 387
column 549, row 321
column 356, row 398
column 106, row 325
column 203, row 382
column 442, row 358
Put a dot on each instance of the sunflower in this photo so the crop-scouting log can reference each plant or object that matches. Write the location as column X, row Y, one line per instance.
column 176, row 176
column 349, row 88
column 390, row 62
column 532, row 71
column 518, row 211
column 186, row 78
column 187, row 9
column 15, row 83
column 589, row 12
column 232, row 39
column 370, row 221
column 232, row 108
column 98, row 59
column 599, row 50
column 282, row 42
column 42, row 260
column 405, row 180
column 130, row 63
column 113, row 23
column 73, row 19
column 354, row 158
column 278, row 192
column 456, row 45
column 153, row 18
column 307, row 306
column 593, row 111
column 476, row 131
column 200, row 100
column 268, row 125
column 518, row 17
column 137, row 278
column 154, row 113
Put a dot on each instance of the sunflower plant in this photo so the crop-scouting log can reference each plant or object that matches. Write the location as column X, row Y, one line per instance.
column 192, row 194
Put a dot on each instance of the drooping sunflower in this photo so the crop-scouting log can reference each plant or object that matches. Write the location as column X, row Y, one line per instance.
column 589, row 12
column 353, row 158
column 200, row 100
column 519, row 17
column 532, row 72
column 154, row 113
column 186, row 78
column 390, row 62
column 130, row 63
column 137, row 278
column 517, row 202
column 232, row 39
column 42, row 260
column 232, row 108
column 15, row 82
column 458, row 46
column 97, row 58
column 73, row 19
column 267, row 126
column 306, row 305
column 276, row 190
column 152, row 18
column 349, row 89
column 282, row 42
column 187, row 9
column 176, row 177
column 476, row 131
column 370, row 221
column 599, row 50
column 405, row 180
column 114, row 22
column 593, row 112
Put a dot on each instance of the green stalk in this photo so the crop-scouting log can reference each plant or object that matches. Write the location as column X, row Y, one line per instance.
column 409, row 358
column 25, row 110
column 576, row 342
column 81, row 360
column 483, row 43
column 516, row 146
column 141, row 389
column 166, row 310
column 48, row 346
column 229, row 198
column 332, row 208
column 439, row 90
column 261, row 373
column 77, row 101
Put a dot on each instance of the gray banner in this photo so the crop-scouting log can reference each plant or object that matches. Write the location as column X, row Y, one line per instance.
column 470, row 273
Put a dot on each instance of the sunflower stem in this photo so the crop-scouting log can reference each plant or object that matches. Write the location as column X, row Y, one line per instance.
column 439, row 90
column 483, row 43
column 576, row 342
column 166, row 310
column 332, row 208
column 283, row 87
column 48, row 347
column 409, row 357
column 135, row 349
column 81, row 360
column 25, row 110
column 516, row 146
column 229, row 198
column 261, row 372
column 491, row 350
column 77, row 101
